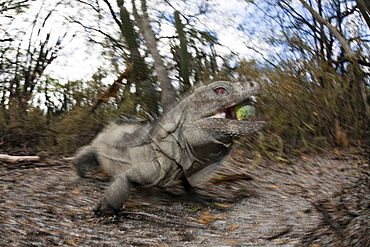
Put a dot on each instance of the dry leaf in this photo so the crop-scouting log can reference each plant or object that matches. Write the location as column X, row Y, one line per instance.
column 232, row 226
column 70, row 242
column 207, row 217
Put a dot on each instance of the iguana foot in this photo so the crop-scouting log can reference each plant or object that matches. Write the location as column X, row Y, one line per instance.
column 81, row 172
column 194, row 196
column 103, row 207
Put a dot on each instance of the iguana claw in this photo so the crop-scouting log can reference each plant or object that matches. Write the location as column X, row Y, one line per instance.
column 103, row 207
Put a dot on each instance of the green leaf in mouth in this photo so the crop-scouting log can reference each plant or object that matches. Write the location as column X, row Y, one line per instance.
column 244, row 111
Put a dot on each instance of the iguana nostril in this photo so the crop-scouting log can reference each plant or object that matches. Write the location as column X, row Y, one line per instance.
column 252, row 84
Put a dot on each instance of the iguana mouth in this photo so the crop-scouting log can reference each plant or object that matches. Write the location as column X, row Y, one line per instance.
column 244, row 111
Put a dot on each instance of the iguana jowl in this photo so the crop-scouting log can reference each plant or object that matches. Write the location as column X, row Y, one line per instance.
column 188, row 142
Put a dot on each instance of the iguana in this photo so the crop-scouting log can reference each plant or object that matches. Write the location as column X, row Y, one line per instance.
column 188, row 142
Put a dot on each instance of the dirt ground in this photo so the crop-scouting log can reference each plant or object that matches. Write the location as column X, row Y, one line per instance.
column 321, row 200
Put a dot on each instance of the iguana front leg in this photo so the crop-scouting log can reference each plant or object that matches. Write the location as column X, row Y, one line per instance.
column 114, row 197
column 118, row 193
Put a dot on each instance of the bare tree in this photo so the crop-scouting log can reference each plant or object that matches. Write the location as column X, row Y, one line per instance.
column 359, row 80
column 21, row 68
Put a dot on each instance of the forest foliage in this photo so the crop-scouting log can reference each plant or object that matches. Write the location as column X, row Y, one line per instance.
column 314, row 73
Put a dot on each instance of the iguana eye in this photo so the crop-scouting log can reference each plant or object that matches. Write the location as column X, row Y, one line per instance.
column 219, row 91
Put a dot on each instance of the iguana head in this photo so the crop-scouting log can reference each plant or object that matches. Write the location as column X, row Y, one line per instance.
column 209, row 123
column 225, row 107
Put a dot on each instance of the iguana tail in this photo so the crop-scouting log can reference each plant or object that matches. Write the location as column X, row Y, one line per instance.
column 85, row 159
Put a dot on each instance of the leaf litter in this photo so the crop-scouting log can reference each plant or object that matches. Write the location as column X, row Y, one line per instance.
column 318, row 200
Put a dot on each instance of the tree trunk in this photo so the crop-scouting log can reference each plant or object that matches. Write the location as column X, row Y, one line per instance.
column 168, row 95
column 184, row 55
column 364, row 6
column 140, row 76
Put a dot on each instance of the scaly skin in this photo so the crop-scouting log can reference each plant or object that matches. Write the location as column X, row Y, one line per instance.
column 187, row 143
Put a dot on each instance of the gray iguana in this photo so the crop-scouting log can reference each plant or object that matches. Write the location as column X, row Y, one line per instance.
column 188, row 142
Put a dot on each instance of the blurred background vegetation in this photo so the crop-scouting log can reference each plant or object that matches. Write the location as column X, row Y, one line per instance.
column 314, row 70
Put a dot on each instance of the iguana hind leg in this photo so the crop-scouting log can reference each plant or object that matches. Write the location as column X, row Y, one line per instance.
column 117, row 194
column 85, row 159
column 195, row 196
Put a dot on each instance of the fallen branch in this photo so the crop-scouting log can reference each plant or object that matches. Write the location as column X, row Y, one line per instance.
column 16, row 159
column 328, row 219
column 280, row 234
column 231, row 178
column 29, row 165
